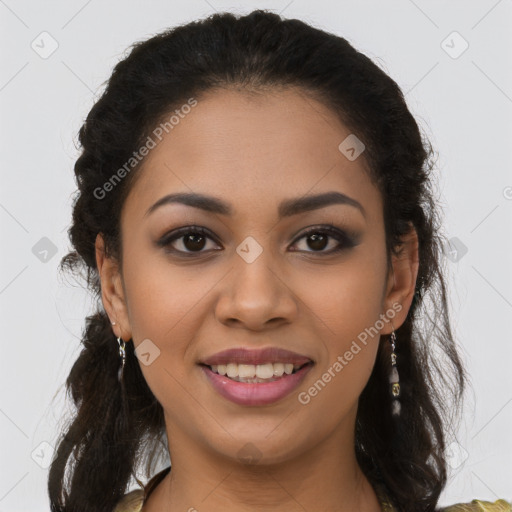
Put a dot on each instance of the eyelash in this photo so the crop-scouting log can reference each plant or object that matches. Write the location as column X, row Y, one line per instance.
column 346, row 241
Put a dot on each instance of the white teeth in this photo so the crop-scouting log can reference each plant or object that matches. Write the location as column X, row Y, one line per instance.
column 263, row 371
column 231, row 370
column 259, row 371
column 278, row 369
column 246, row 371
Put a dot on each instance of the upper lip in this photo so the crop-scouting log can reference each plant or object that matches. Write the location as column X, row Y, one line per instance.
column 260, row 356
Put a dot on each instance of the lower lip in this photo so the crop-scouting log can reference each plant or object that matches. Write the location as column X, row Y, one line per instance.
column 246, row 393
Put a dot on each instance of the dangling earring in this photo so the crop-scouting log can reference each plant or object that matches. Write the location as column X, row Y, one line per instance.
column 122, row 353
column 393, row 378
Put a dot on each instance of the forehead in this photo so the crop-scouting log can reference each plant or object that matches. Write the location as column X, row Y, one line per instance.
column 255, row 149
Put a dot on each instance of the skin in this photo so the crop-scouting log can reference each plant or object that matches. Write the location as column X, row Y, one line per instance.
column 254, row 151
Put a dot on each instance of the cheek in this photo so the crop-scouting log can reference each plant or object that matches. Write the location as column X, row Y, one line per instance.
column 161, row 295
column 347, row 298
column 164, row 307
column 347, row 304
column 347, row 344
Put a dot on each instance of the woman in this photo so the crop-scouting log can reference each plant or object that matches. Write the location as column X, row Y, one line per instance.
column 255, row 212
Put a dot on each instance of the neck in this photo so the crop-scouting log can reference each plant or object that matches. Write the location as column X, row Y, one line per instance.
column 327, row 477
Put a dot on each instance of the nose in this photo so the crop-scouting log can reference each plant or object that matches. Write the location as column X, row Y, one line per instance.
column 256, row 296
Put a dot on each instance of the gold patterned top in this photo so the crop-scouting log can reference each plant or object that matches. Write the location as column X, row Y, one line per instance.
column 133, row 501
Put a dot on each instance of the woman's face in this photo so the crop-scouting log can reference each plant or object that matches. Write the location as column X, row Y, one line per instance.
column 255, row 280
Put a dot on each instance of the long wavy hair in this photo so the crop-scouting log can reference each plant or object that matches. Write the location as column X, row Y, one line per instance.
column 114, row 429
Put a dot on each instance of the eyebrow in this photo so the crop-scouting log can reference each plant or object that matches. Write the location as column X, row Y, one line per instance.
column 287, row 208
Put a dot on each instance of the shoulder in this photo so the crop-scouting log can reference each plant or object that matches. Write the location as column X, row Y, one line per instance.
column 131, row 502
column 480, row 506
column 134, row 500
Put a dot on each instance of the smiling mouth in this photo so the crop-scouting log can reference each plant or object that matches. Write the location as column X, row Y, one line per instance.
column 251, row 374
column 252, row 391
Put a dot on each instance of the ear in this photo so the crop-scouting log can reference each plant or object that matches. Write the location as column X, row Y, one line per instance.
column 401, row 282
column 112, row 292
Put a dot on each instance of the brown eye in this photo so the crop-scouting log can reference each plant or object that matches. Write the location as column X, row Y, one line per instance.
column 193, row 242
column 187, row 241
column 317, row 239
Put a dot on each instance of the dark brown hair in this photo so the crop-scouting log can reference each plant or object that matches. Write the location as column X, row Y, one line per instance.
column 117, row 427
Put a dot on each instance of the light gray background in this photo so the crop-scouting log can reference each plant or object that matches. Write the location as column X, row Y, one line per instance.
column 463, row 104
